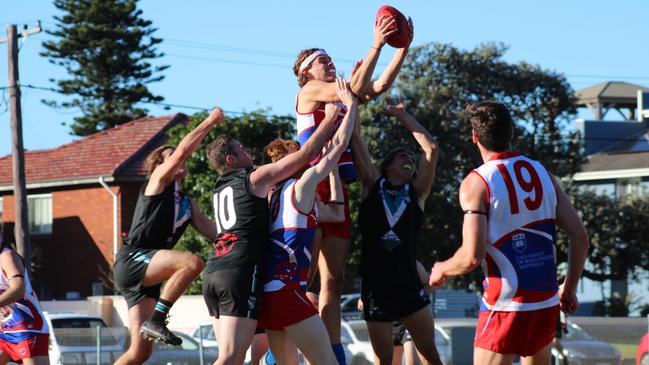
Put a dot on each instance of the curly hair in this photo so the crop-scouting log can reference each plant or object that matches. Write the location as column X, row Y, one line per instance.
column 301, row 79
column 217, row 151
column 154, row 159
column 279, row 148
column 492, row 124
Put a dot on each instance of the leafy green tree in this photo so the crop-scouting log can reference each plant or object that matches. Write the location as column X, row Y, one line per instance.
column 105, row 46
column 618, row 234
column 437, row 81
column 254, row 130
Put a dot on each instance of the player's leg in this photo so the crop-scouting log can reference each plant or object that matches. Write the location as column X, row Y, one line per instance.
column 258, row 347
column 234, row 336
column 37, row 360
column 140, row 349
column 422, row 331
column 381, row 339
column 4, row 358
column 333, row 253
column 542, row 357
column 397, row 354
column 485, row 357
column 179, row 269
column 310, row 336
column 283, row 349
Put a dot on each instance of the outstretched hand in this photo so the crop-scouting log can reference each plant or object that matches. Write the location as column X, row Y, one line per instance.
column 344, row 92
column 216, row 115
column 384, row 28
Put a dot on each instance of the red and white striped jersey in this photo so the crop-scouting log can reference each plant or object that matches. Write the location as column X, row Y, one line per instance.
column 288, row 255
column 22, row 319
column 520, row 265
column 307, row 123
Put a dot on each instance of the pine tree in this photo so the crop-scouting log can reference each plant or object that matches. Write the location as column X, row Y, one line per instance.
column 105, row 46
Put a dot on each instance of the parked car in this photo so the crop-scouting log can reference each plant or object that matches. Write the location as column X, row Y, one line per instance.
column 582, row 348
column 349, row 307
column 185, row 354
column 356, row 339
column 642, row 355
column 73, row 339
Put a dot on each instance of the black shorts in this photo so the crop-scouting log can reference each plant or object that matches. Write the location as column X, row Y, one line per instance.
column 387, row 304
column 233, row 292
column 128, row 273
column 400, row 334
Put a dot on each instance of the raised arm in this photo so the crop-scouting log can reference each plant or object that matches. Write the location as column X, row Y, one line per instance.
column 264, row 177
column 333, row 211
column 428, row 163
column 474, row 234
column 316, row 91
column 367, row 173
column 202, row 223
column 14, row 271
column 569, row 221
column 305, row 186
column 383, row 83
column 165, row 172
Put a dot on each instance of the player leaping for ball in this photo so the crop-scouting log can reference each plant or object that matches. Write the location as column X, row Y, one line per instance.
column 511, row 205
column 316, row 75
column 231, row 282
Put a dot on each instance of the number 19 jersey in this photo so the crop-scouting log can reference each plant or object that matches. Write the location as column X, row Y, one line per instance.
column 520, row 265
column 241, row 222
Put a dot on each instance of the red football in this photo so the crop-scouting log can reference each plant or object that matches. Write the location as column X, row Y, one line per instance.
column 401, row 38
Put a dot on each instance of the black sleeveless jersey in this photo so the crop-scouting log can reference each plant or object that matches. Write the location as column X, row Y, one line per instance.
column 241, row 222
column 389, row 253
column 158, row 221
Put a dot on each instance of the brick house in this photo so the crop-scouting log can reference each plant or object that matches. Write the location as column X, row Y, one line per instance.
column 76, row 223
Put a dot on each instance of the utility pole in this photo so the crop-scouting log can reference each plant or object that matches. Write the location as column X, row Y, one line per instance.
column 21, row 228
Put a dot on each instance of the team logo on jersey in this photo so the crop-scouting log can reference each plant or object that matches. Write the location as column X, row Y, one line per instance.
column 519, row 243
column 224, row 244
column 390, row 240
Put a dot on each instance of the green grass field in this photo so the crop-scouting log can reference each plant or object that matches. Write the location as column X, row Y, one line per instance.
column 628, row 351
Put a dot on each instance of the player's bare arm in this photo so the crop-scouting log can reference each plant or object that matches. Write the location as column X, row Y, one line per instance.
column 314, row 175
column 569, row 221
column 14, row 271
column 428, row 163
column 367, row 173
column 202, row 223
column 333, row 211
column 165, row 172
column 264, row 177
column 316, row 91
column 474, row 233
column 383, row 83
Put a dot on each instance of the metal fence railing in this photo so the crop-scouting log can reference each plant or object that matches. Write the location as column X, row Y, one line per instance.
column 102, row 346
column 590, row 340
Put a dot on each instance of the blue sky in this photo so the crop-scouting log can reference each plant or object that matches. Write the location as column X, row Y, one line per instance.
column 239, row 55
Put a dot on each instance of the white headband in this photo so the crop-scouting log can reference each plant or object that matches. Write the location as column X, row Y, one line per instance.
column 307, row 61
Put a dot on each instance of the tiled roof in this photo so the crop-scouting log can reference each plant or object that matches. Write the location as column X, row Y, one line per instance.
column 629, row 153
column 119, row 151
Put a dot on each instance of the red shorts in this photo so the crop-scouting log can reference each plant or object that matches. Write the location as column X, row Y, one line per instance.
column 280, row 309
column 342, row 229
column 35, row 346
column 522, row 333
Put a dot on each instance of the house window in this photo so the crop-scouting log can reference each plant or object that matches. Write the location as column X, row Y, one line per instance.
column 40, row 213
column 629, row 188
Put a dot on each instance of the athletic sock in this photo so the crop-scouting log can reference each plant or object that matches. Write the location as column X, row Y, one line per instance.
column 161, row 310
column 339, row 351
column 270, row 359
